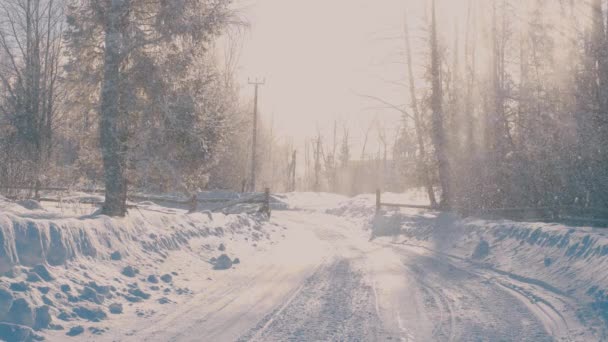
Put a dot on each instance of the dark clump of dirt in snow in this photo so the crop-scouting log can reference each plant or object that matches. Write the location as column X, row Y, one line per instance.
column 115, row 308
column 139, row 293
column 222, row 263
column 26, row 308
column 43, row 272
column 75, row 331
column 600, row 303
column 130, row 271
column 481, row 251
column 165, row 300
column 6, row 300
column 20, row 286
column 13, row 333
column 21, row 313
column 116, row 256
column 167, row 278
column 30, row 204
column 90, row 313
column 43, row 317
column 33, row 277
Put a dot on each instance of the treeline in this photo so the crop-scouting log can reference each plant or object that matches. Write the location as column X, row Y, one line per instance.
column 385, row 158
column 514, row 112
column 121, row 94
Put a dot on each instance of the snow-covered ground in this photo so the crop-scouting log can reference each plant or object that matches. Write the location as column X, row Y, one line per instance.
column 62, row 270
column 323, row 268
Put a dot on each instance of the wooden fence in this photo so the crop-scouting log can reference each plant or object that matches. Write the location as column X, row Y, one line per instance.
column 563, row 213
column 380, row 204
column 191, row 203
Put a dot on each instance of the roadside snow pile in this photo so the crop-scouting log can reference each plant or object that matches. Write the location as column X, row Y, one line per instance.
column 362, row 207
column 278, row 202
column 58, row 273
column 359, row 207
column 30, row 205
column 567, row 260
column 312, row 201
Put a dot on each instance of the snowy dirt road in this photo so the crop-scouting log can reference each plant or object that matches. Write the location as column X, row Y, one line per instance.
column 370, row 291
column 328, row 282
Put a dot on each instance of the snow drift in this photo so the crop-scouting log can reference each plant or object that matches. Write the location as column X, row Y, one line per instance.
column 572, row 261
column 58, row 269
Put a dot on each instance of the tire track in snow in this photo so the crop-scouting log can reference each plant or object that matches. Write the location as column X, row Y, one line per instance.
column 486, row 310
column 552, row 319
column 271, row 317
column 442, row 302
column 332, row 305
column 524, row 289
column 405, row 335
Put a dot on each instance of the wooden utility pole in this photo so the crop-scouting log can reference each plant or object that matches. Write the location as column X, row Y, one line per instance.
column 270, row 155
column 293, row 170
column 291, row 174
column 257, row 83
column 317, row 153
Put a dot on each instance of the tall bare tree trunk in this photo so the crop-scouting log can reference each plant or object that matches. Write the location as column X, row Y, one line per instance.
column 439, row 138
column 422, row 165
column 472, row 196
column 424, row 168
column 470, row 67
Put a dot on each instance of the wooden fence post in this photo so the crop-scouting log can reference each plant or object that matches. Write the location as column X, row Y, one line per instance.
column 378, row 201
column 37, row 191
column 193, row 203
column 267, row 201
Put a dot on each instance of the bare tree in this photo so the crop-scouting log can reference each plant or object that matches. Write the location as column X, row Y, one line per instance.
column 417, row 117
column 31, row 44
column 439, row 137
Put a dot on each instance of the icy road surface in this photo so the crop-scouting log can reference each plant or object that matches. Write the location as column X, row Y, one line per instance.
column 328, row 282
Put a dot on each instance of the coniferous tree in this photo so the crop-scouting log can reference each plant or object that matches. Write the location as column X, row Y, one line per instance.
column 142, row 55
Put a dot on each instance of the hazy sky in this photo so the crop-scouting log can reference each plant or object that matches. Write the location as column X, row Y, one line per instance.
column 318, row 55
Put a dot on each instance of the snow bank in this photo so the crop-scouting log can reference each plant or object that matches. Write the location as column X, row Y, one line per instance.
column 568, row 260
column 313, row 201
column 58, row 270
column 573, row 259
column 29, row 240
column 362, row 207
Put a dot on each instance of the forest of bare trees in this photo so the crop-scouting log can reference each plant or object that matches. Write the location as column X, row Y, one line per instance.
column 525, row 112
column 507, row 106
column 514, row 110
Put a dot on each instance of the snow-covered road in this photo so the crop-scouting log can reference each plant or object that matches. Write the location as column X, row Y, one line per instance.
column 328, row 282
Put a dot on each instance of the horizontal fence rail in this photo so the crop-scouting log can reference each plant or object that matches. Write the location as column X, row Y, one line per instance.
column 568, row 213
column 192, row 203
column 380, row 204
